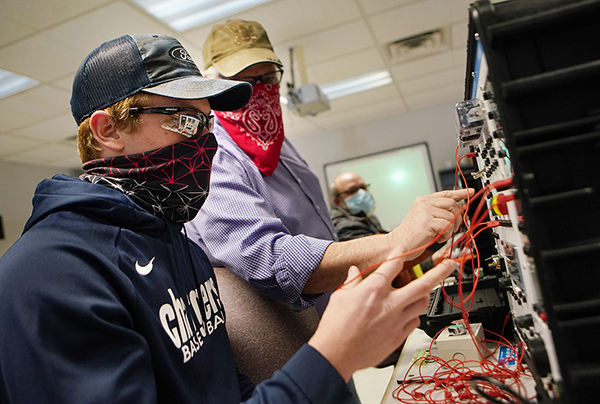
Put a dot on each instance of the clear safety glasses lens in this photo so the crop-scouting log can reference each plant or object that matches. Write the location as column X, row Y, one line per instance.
column 187, row 125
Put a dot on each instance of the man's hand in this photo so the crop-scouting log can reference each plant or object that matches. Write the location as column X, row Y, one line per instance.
column 368, row 319
column 428, row 216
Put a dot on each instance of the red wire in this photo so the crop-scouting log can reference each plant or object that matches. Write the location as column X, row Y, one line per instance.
column 449, row 383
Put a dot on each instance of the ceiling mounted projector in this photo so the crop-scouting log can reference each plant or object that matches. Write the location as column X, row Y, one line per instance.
column 307, row 100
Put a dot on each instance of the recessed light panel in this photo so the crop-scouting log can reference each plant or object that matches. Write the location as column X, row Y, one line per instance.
column 11, row 83
column 182, row 15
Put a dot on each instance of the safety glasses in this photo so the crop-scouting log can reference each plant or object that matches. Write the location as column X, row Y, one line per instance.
column 188, row 122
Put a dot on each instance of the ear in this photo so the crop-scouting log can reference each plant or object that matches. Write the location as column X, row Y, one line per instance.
column 110, row 139
column 336, row 200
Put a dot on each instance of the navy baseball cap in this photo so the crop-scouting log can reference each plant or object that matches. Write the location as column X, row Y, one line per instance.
column 156, row 64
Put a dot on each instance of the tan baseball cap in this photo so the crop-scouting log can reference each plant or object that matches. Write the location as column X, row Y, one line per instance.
column 237, row 44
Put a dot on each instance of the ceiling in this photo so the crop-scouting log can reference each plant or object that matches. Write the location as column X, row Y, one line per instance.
column 47, row 40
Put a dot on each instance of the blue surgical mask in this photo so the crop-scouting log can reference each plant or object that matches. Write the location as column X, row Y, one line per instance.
column 361, row 201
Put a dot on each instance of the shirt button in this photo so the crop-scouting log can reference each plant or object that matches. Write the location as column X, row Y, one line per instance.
column 299, row 180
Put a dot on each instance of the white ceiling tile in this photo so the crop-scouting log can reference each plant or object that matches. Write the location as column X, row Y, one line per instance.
column 11, row 31
column 434, row 96
column 45, row 13
column 32, row 106
column 460, row 9
column 64, row 83
column 413, row 19
column 296, row 126
column 361, row 113
column 433, row 80
column 66, row 162
column 329, row 44
column 459, row 57
column 11, row 118
column 42, row 57
column 460, row 33
column 109, row 22
column 288, row 19
column 378, row 94
column 345, row 66
column 45, row 153
column 59, row 127
column 375, row 6
column 422, row 66
column 13, row 144
column 292, row 119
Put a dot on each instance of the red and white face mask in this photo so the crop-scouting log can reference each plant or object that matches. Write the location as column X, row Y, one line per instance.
column 258, row 127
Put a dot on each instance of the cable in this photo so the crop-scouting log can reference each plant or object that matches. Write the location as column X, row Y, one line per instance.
column 453, row 380
column 501, row 386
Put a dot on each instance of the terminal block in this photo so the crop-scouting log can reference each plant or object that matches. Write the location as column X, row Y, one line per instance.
column 469, row 121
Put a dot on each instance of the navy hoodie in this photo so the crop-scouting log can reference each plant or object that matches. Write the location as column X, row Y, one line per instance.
column 102, row 301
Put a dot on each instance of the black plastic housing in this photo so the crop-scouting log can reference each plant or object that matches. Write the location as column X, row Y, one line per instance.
column 543, row 58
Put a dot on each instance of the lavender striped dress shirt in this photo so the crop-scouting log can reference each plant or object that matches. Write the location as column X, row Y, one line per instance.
column 271, row 231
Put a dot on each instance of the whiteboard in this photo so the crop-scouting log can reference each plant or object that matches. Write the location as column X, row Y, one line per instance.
column 395, row 178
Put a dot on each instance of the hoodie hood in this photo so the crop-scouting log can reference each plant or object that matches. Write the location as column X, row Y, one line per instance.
column 64, row 193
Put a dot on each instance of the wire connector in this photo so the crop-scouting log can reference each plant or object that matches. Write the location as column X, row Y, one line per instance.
column 502, row 185
column 499, row 203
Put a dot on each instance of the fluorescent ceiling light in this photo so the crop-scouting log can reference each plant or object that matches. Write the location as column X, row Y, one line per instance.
column 356, row 84
column 11, row 83
column 182, row 15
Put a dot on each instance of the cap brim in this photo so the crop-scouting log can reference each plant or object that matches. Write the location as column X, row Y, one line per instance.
column 235, row 63
column 223, row 95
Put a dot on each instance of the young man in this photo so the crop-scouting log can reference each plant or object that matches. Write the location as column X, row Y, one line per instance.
column 104, row 300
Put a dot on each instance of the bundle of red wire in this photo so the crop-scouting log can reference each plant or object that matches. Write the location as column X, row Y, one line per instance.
column 456, row 381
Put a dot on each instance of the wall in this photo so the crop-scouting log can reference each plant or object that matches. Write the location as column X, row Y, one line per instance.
column 17, row 185
column 433, row 125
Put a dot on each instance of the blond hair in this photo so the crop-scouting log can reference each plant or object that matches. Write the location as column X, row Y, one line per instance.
column 88, row 146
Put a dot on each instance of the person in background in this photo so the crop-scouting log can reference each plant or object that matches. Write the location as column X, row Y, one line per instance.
column 266, row 219
column 352, row 216
column 103, row 299
column 353, row 206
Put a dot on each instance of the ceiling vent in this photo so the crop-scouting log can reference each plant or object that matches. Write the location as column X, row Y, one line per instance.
column 416, row 46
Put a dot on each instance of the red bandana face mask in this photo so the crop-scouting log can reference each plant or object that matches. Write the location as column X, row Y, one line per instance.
column 258, row 127
column 171, row 181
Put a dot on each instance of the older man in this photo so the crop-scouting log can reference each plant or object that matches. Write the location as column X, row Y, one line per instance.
column 265, row 196
column 353, row 206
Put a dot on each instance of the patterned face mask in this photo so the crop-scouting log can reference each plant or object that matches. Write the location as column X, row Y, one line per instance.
column 172, row 181
column 258, row 127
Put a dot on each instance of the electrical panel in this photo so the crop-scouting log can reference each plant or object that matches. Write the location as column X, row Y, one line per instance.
column 531, row 115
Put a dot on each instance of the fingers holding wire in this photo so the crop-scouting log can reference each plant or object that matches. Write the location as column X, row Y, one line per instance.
column 415, row 295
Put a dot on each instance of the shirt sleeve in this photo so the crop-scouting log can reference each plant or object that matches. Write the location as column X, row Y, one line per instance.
column 239, row 229
column 294, row 384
